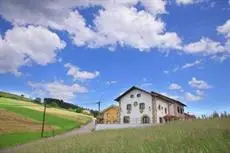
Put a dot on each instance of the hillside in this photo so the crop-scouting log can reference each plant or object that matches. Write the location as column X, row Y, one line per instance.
column 199, row 136
column 20, row 121
column 14, row 96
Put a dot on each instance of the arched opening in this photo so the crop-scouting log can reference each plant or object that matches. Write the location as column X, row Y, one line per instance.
column 145, row 120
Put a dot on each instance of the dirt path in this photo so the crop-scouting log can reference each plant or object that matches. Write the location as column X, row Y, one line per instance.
column 84, row 129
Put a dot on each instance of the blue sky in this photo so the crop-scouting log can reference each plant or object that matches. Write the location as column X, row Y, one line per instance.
column 87, row 51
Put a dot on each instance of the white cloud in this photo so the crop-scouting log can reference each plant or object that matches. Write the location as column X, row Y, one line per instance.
column 57, row 89
column 205, row 46
column 225, row 28
column 27, row 45
column 189, row 65
column 199, row 92
column 111, row 82
column 174, row 86
column 199, row 84
column 191, row 97
column 166, row 71
column 147, row 31
column 185, row 2
column 77, row 74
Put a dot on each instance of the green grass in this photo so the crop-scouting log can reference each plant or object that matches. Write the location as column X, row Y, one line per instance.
column 200, row 136
column 62, row 122
column 13, row 96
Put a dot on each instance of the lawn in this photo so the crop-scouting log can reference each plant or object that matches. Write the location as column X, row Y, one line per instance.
column 200, row 136
column 22, row 121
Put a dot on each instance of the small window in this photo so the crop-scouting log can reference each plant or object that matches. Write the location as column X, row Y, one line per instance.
column 131, row 96
column 178, row 109
column 139, row 95
column 159, row 107
column 182, row 110
column 126, row 119
column 166, row 111
column 129, row 107
column 142, row 106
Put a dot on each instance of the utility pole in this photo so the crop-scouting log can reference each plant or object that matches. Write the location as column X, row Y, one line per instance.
column 43, row 121
column 99, row 106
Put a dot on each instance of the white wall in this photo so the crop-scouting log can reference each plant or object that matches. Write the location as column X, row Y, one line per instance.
column 136, row 115
column 161, row 113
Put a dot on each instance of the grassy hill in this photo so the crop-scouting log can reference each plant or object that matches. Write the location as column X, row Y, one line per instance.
column 13, row 96
column 199, row 136
column 20, row 121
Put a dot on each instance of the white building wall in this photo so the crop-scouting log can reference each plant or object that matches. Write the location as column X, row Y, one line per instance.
column 135, row 114
column 161, row 112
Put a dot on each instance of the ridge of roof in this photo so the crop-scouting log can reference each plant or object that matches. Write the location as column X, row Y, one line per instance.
column 151, row 93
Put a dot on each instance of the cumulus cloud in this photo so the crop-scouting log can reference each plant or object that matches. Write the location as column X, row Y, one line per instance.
column 205, row 46
column 174, row 86
column 192, row 97
column 57, row 89
column 199, row 84
column 26, row 45
column 148, row 30
column 225, row 28
column 77, row 74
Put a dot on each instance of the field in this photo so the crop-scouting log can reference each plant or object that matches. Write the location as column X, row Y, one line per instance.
column 20, row 121
column 200, row 136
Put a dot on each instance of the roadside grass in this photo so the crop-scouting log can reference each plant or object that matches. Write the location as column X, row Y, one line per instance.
column 199, row 136
column 57, row 122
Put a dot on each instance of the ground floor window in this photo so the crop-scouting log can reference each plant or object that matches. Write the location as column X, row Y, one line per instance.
column 126, row 119
column 145, row 120
column 161, row 119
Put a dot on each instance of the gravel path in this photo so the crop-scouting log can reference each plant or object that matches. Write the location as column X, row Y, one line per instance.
column 84, row 129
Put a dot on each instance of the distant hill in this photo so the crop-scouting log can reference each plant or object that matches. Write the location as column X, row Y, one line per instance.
column 14, row 96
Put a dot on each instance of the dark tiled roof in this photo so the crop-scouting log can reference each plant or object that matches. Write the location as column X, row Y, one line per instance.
column 151, row 93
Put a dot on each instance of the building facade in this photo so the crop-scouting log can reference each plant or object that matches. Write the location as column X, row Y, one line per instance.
column 111, row 115
column 138, row 106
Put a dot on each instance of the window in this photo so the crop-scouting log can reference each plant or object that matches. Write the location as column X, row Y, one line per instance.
column 161, row 119
column 178, row 109
column 159, row 107
column 131, row 96
column 126, row 119
column 129, row 107
column 142, row 106
column 139, row 95
column 166, row 111
column 182, row 110
column 145, row 120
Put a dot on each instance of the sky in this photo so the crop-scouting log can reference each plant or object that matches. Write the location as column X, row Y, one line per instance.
column 84, row 51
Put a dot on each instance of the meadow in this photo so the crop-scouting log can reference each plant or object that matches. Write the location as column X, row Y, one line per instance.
column 198, row 136
column 20, row 121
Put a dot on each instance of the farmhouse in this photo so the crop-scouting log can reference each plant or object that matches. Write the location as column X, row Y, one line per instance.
column 110, row 114
column 138, row 106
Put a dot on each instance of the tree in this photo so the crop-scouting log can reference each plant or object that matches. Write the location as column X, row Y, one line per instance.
column 38, row 100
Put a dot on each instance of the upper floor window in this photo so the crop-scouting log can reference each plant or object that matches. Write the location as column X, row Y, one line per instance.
column 178, row 109
column 139, row 95
column 131, row 96
column 129, row 107
column 142, row 106
column 166, row 110
column 182, row 110
column 159, row 107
